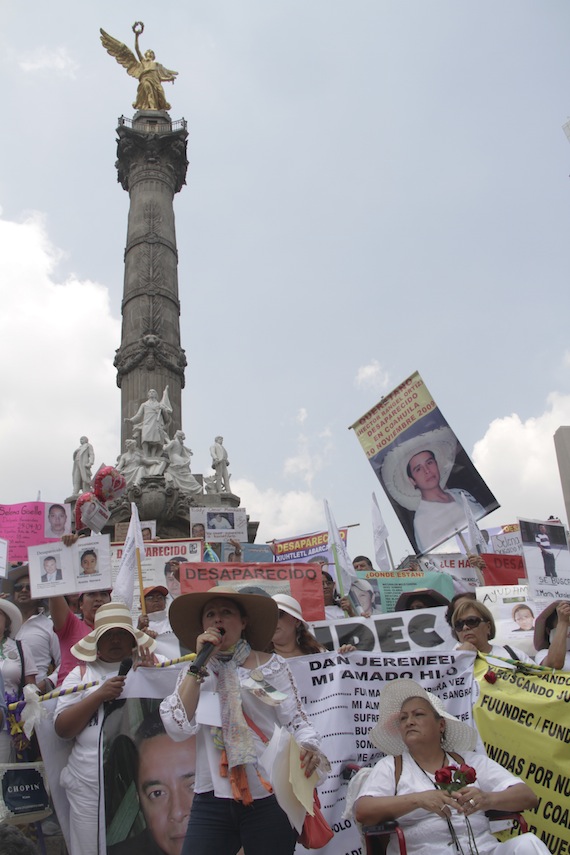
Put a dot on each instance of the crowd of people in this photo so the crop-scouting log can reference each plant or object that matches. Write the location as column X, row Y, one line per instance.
column 215, row 791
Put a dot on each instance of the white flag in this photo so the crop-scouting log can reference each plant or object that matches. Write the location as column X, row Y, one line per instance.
column 124, row 589
column 380, row 534
column 345, row 572
column 475, row 536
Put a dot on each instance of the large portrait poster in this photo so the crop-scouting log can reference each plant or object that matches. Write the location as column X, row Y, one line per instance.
column 545, row 551
column 514, row 614
column 421, row 465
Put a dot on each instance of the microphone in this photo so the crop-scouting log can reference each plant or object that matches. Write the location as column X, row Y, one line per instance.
column 203, row 656
column 125, row 666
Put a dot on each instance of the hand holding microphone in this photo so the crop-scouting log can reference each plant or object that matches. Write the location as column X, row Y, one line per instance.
column 206, row 651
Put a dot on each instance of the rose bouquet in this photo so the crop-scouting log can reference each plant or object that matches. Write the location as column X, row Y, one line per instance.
column 450, row 779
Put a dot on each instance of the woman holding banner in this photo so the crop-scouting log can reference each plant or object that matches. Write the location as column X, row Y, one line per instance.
column 232, row 708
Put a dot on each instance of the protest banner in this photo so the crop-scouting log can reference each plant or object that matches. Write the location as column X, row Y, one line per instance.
column 392, row 584
column 421, row 465
column 56, row 569
column 503, row 569
column 250, row 553
column 546, row 557
column 217, row 525
column 157, row 555
column 305, row 547
column 29, row 524
column 3, row 558
column 302, row 581
column 513, row 612
column 523, row 721
column 454, row 564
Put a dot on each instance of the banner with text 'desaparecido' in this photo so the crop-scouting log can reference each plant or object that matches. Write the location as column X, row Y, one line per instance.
column 421, row 465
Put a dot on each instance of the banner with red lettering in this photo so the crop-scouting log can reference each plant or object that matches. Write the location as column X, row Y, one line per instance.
column 302, row 581
column 421, row 465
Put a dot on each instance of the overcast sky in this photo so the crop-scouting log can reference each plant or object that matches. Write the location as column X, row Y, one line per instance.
column 374, row 188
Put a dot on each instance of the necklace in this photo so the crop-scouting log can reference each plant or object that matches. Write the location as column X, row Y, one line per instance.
column 421, row 768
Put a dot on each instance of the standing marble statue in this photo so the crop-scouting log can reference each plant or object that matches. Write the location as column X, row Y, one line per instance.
column 83, row 460
column 150, row 422
column 178, row 471
column 220, row 463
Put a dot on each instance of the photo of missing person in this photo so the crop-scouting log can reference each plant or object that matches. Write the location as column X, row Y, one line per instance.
column 163, row 773
column 425, row 473
column 51, row 572
column 57, row 521
column 220, row 521
column 88, row 562
column 523, row 616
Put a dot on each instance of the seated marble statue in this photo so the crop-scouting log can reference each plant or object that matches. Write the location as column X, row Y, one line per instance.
column 131, row 463
column 178, row 471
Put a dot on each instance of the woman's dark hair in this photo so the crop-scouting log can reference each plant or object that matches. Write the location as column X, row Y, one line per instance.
column 89, row 552
column 7, row 626
column 467, row 595
column 307, row 641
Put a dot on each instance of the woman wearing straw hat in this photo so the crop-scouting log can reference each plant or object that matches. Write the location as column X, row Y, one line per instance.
column 17, row 665
column 420, row 739
column 79, row 716
column 415, row 473
column 231, row 708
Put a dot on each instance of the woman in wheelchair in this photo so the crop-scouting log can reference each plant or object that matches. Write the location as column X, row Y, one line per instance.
column 421, row 739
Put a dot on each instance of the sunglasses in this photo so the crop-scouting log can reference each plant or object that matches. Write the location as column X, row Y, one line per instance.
column 22, row 588
column 470, row 623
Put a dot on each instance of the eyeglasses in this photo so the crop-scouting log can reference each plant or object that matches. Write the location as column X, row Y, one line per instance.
column 22, row 588
column 470, row 623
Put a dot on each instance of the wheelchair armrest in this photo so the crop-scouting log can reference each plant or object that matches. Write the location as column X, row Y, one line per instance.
column 349, row 770
column 494, row 815
column 381, row 828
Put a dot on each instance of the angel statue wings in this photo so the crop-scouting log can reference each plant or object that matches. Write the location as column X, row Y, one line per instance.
column 149, row 73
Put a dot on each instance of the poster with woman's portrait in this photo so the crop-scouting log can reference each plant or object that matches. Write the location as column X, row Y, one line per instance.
column 424, row 470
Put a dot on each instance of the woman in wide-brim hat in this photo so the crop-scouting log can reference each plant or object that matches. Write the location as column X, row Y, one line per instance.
column 292, row 636
column 79, row 716
column 420, row 738
column 243, row 692
column 17, row 667
column 415, row 473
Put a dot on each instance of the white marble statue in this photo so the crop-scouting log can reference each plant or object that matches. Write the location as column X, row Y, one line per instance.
column 132, row 463
column 83, row 460
column 220, row 463
column 150, row 423
column 178, row 471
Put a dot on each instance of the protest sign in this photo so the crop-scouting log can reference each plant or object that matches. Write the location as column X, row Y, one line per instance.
column 507, row 541
column 523, row 721
column 513, row 612
column 250, row 553
column 216, row 525
column 154, row 565
column 306, row 547
column 546, row 557
column 148, row 528
column 29, row 523
column 3, row 558
column 421, row 465
column 392, row 584
column 455, row 565
column 503, row 569
column 56, row 569
column 302, row 581
column 397, row 632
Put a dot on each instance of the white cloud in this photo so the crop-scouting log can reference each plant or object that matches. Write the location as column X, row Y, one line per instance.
column 280, row 514
column 372, row 377
column 302, row 415
column 56, row 345
column 311, row 456
column 518, row 461
column 44, row 59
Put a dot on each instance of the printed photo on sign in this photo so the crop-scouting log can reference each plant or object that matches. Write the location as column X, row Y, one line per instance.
column 24, row 525
column 250, row 552
column 148, row 529
column 161, row 565
column 514, row 614
column 216, row 525
column 57, row 520
column 546, row 557
column 421, row 465
column 57, row 569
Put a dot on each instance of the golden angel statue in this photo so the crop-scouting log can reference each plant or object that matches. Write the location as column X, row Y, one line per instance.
column 149, row 73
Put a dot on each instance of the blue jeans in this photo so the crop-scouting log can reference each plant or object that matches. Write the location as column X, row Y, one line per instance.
column 221, row 826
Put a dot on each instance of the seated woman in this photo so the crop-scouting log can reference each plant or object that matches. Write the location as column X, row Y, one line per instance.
column 229, row 708
column 551, row 638
column 473, row 626
column 420, row 738
column 79, row 716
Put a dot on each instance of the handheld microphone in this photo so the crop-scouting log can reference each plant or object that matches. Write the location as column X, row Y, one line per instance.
column 203, row 656
column 125, row 666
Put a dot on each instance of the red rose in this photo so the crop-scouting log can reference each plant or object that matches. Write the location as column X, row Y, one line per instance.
column 490, row 677
column 469, row 773
column 445, row 775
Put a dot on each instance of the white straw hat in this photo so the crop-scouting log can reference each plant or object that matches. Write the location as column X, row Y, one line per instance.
column 386, row 735
column 112, row 615
column 13, row 612
column 443, row 445
column 288, row 604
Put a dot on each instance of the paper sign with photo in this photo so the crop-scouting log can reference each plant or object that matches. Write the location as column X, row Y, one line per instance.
column 217, row 525
column 3, row 558
column 514, row 614
column 25, row 524
column 56, row 569
column 546, row 557
column 161, row 564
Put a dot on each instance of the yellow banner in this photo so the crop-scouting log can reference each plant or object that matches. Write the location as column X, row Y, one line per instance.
column 395, row 413
column 524, row 721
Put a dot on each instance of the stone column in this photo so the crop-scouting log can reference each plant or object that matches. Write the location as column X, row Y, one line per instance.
column 151, row 166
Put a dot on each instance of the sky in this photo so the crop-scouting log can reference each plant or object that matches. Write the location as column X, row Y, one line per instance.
column 374, row 188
